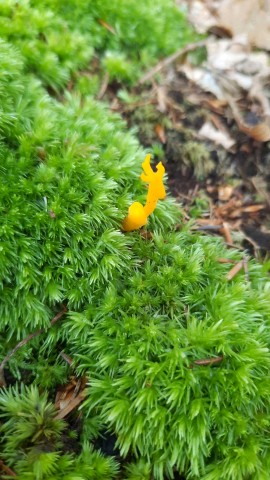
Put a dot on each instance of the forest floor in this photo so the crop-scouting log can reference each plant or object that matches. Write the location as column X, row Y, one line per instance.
column 205, row 113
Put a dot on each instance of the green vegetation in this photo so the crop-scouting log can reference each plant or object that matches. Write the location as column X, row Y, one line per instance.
column 32, row 439
column 142, row 313
column 59, row 38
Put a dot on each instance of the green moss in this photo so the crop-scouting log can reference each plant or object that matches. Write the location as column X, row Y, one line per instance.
column 196, row 155
column 57, row 38
column 32, row 441
column 141, row 312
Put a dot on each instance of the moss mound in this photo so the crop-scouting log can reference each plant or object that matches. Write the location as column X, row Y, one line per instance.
column 177, row 358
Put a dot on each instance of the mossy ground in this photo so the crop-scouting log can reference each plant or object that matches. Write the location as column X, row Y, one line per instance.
column 175, row 356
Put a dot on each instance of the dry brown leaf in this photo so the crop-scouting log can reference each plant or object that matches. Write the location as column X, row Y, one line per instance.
column 225, row 192
column 202, row 14
column 230, row 73
column 253, row 208
column 71, row 405
column 209, row 361
column 67, row 394
column 159, row 129
column 251, row 17
column 260, row 132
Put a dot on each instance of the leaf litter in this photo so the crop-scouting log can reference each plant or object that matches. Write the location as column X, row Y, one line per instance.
column 209, row 121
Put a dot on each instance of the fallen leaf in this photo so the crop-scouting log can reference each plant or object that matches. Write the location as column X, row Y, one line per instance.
column 225, row 192
column 204, row 78
column 71, row 405
column 202, row 15
column 159, row 129
column 69, row 396
column 209, row 132
column 161, row 98
column 260, row 131
column 253, row 208
column 232, row 73
column 251, row 17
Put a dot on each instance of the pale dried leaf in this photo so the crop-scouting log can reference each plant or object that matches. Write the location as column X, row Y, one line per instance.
column 260, row 131
column 161, row 98
column 202, row 14
column 225, row 192
column 71, row 405
column 204, row 78
column 209, row 132
column 251, row 17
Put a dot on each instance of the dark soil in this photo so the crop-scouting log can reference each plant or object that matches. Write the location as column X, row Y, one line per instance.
column 198, row 169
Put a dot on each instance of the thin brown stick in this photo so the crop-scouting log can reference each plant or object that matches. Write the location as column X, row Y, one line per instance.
column 234, row 270
column 27, row 339
column 167, row 61
column 104, row 86
column 66, row 358
column 6, row 469
column 209, row 361
column 225, row 260
column 225, row 230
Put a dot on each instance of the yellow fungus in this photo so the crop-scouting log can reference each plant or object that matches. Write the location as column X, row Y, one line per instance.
column 137, row 213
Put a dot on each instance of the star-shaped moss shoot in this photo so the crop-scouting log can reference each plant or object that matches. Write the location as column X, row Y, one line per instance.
column 137, row 213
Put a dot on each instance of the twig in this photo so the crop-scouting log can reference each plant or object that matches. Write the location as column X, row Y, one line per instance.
column 225, row 260
column 6, row 469
column 66, row 358
column 107, row 26
column 234, row 270
column 236, row 247
column 104, row 86
column 225, row 230
column 25, row 341
column 207, row 361
column 167, row 61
